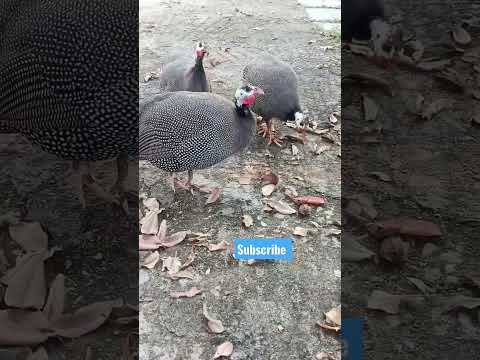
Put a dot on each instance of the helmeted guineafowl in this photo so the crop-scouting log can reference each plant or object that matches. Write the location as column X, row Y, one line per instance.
column 69, row 79
column 281, row 100
column 185, row 131
column 183, row 74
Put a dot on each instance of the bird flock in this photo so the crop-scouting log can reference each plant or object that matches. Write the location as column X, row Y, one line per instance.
column 186, row 127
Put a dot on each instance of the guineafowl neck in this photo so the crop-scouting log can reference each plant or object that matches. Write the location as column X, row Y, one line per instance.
column 244, row 128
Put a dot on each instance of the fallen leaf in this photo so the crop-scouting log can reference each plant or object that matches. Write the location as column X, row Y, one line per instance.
column 310, row 200
column 333, row 118
column 174, row 239
column 299, row 231
column 30, row 236
column 334, row 317
column 188, row 261
column 267, row 190
column 148, row 242
column 328, row 327
column 214, row 196
column 26, row 282
column 84, row 320
column 419, row 229
column 352, row 250
column 290, row 192
column 56, row 299
column 151, row 204
column 21, row 327
column 325, row 356
column 247, row 220
column 460, row 301
column 188, row 294
column 172, row 264
column 433, row 65
column 222, row 245
column 162, row 231
column 436, row 107
column 214, row 325
column 370, row 108
column 224, row 350
column 182, row 274
column 281, row 207
column 270, row 178
column 149, row 224
column 461, row 36
column 151, row 260
column 381, row 300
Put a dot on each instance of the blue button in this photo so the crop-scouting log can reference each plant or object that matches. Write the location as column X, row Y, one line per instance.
column 262, row 249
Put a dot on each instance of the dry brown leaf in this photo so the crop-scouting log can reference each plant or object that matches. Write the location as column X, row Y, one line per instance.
column 352, row 250
column 418, row 229
column 151, row 260
column 56, row 299
column 148, row 242
column 381, row 300
column 223, row 350
column 172, row 264
column 214, row 196
column 270, row 178
column 174, row 239
column 461, row 36
column 334, row 316
column 162, row 231
column 182, row 274
column 325, row 356
column 149, row 223
column 26, row 282
column 433, row 65
column 214, row 325
column 370, row 108
column 310, row 200
column 247, row 220
column 267, row 190
column 281, row 207
column 420, row 285
column 328, row 327
column 84, row 320
column 30, row 236
column 299, row 231
column 20, row 327
column 461, row 301
column 151, row 204
column 188, row 294
column 290, row 192
column 222, row 245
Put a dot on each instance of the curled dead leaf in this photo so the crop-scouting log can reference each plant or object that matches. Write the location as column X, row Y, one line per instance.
column 334, row 316
column 381, row 300
column 222, row 245
column 433, row 65
column 214, row 196
column 214, row 325
column 223, row 350
column 171, row 264
column 21, row 327
column 188, row 294
column 310, row 200
column 247, row 220
column 174, row 239
column 270, row 178
column 30, row 236
column 151, row 260
column 267, row 190
column 281, row 207
column 418, row 229
column 54, row 307
column 182, row 274
column 461, row 36
column 352, row 250
column 151, row 204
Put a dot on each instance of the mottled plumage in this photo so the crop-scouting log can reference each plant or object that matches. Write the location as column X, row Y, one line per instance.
column 182, row 131
column 69, row 77
column 279, row 82
column 185, row 74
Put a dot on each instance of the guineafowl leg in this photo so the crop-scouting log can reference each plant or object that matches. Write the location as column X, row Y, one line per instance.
column 122, row 174
column 171, row 181
column 268, row 130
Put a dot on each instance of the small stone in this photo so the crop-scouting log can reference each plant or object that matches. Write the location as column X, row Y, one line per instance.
column 280, row 328
column 98, row 256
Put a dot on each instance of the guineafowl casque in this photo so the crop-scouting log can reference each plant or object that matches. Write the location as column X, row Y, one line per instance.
column 281, row 99
column 183, row 74
column 185, row 131
column 69, row 81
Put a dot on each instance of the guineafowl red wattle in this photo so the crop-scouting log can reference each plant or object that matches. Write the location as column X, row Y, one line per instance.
column 281, row 100
column 186, row 74
column 69, row 80
column 186, row 131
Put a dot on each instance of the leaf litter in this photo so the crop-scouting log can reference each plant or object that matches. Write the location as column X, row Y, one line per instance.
column 215, row 326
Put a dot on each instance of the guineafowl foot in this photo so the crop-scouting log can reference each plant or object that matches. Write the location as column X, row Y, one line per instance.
column 268, row 130
column 120, row 188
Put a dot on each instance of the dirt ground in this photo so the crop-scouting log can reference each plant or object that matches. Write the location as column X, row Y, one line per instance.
column 428, row 170
column 269, row 310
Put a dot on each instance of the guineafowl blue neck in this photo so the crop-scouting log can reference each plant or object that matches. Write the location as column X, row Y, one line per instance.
column 245, row 127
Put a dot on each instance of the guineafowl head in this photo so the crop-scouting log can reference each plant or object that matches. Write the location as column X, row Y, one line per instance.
column 245, row 96
column 201, row 50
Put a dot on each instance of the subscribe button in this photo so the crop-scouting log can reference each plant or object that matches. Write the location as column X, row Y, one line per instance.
column 262, row 249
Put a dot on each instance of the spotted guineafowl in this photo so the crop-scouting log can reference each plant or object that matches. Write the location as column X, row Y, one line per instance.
column 185, row 131
column 69, row 80
column 182, row 75
column 281, row 100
